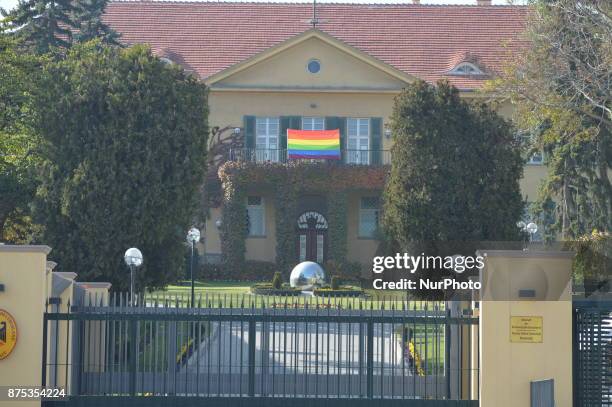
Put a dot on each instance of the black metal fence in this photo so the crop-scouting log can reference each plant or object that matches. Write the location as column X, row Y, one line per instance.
column 593, row 353
column 348, row 157
column 341, row 349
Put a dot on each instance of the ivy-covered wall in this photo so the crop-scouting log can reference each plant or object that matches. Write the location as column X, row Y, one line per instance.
column 289, row 181
column 337, row 218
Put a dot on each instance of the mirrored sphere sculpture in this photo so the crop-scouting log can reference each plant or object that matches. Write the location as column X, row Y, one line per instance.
column 306, row 276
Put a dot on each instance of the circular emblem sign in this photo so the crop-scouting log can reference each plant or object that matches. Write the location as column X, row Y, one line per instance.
column 8, row 334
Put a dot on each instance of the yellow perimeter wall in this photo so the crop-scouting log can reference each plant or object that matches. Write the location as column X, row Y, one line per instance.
column 507, row 368
column 23, row 271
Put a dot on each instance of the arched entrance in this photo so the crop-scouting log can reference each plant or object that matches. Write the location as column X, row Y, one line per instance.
column 311, row 237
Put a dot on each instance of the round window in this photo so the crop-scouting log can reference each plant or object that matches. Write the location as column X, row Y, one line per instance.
column 314, row 66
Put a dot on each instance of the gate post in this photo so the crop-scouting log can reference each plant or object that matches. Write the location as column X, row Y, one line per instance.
column 25, row 288
column 525, row 326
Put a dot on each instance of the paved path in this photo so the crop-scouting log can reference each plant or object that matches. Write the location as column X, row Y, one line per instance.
column 299, row 347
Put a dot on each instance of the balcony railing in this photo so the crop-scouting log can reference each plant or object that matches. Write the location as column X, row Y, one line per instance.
column 348, row 157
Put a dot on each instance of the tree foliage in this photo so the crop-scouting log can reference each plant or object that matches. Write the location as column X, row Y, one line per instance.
column 125, row 148
column 560, row 84
column 87, row 15
column 454, row 175
column 42, row 26
column 18, row 157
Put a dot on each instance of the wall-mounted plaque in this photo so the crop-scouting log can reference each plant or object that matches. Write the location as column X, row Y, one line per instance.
column 526, row 329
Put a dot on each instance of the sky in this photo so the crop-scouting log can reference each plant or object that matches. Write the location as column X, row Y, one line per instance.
column 8, row 4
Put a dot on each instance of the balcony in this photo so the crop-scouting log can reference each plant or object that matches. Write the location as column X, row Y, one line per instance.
column 347, row 157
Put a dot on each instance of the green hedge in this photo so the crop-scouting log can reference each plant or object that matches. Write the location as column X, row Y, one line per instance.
column 250, row 270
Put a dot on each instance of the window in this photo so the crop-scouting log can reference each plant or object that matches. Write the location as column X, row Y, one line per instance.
column 266, row 138
column 465, row 68
column 256, row 216
column 358, row 141
column 314, row 66
column 369, row 213
column 320, row 248
column 313, row 123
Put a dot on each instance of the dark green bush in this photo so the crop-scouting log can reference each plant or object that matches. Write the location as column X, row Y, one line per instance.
column 277, row 281
column 335, row 283
column 250, row 271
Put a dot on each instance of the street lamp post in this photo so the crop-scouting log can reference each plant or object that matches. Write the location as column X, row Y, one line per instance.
column 193, row 236
column 530, row 229
column 133, row 259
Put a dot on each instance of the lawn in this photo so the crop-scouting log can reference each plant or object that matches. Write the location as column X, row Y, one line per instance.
column 237, row 294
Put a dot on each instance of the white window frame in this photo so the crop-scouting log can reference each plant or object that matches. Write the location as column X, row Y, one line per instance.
column 368, row 211
column 303, row 247
column 269, row 148
column 262, row 208
column 360, row 154
column 459, row 69
column 313, row 123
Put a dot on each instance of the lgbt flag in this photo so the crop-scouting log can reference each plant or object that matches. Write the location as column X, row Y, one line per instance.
column 315, row 144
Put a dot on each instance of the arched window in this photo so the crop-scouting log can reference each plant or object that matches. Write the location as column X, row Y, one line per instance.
column 466, row 68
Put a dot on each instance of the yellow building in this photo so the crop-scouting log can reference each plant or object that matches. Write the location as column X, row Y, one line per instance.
column 272, row 67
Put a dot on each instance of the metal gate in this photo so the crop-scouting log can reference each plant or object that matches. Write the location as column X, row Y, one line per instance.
column 593, row 353
column 296, row 352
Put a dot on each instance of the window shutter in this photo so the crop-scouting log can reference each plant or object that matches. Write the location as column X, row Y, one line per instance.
column 249, row 131
column 288, row 122
column 282, row 136
column 376, row 141
column 334, row 122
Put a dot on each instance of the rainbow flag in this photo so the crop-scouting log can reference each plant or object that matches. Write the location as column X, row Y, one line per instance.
column 315, row 144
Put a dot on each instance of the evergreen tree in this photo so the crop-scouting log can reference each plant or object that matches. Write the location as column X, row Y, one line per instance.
column 18, row 158
column 125, row 147
column 454, row 175
column 41, row 25
column 88, row 16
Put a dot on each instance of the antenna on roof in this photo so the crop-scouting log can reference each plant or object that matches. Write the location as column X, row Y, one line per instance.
column 314, row 21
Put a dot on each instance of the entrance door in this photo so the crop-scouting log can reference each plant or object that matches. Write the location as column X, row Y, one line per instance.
column 312, row 233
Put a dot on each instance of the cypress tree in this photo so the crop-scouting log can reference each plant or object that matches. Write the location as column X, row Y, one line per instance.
column 454, row 175
column 125, row 154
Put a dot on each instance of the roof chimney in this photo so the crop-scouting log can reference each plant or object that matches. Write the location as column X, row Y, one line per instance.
column 416, row 1
column 483, row 2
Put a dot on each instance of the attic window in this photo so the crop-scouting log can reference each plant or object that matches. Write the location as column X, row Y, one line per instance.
column 313, row 66
column 466, row 68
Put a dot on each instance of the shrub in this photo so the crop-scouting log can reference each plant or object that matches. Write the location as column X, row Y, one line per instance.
column 345, row 269
column 277, row 281
column 250, row 271
column 335, row 283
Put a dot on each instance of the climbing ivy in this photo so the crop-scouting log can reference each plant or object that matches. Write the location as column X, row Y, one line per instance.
column 234, row 229
column 288, row 181
column 337, row 219
column 286, row 211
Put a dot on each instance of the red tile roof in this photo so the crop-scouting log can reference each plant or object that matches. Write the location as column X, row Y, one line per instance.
column 421, row 40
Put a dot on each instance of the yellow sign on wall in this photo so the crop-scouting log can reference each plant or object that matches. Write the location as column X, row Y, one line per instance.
column 8, row 334
column 526, row 329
